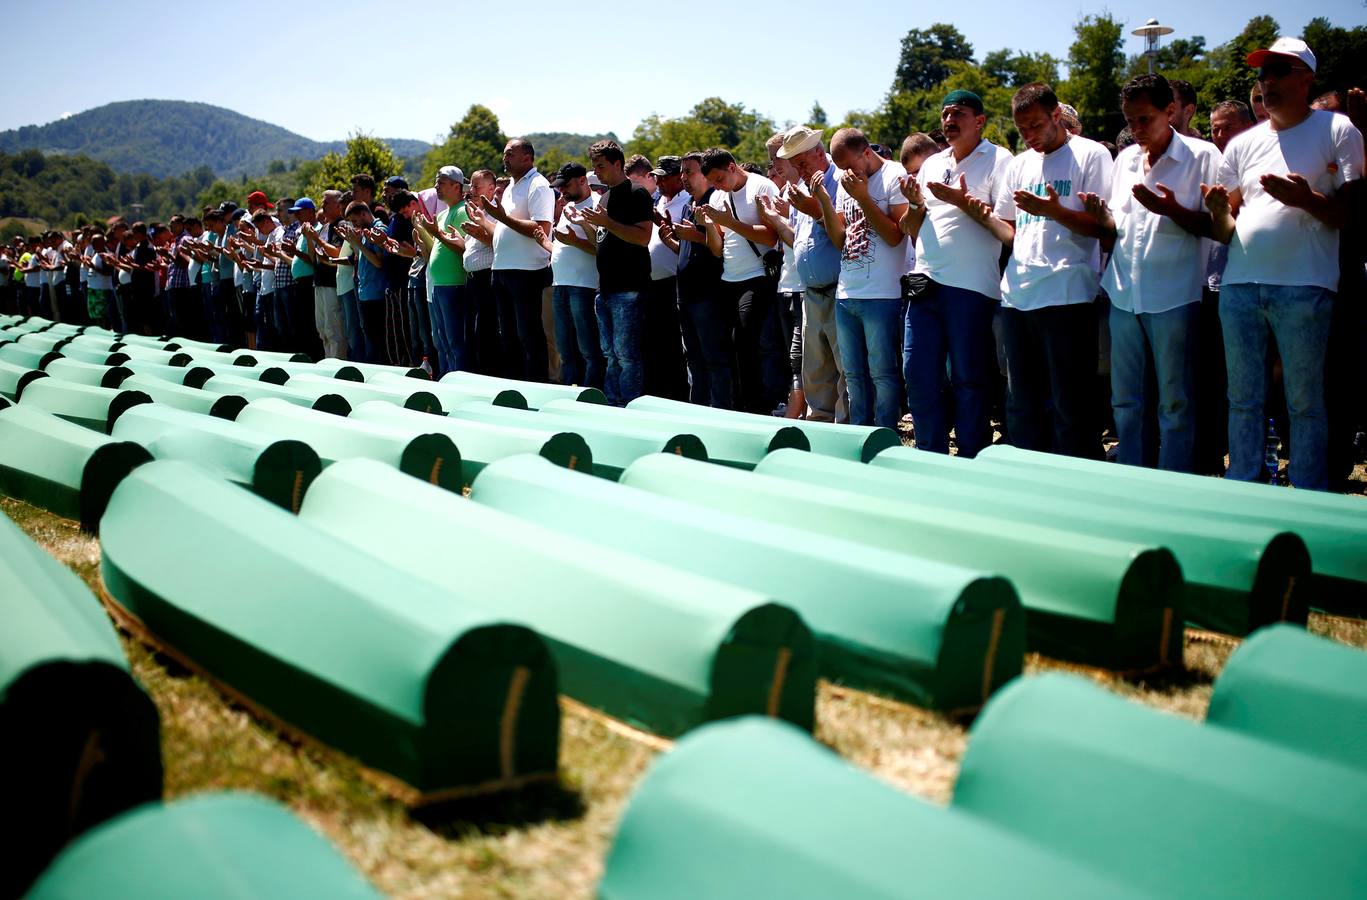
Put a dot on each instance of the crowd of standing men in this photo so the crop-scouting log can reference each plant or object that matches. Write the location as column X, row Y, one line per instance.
column 958, row 283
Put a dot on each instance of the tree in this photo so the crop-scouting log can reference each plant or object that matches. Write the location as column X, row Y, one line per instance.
column 817, row 117
column 1095, row 67
column 363, row 154
column 925, row 57
column 1340, row 54
column 475, row 142
column 1232, row 77
column 1014, row 70
column 711, row 123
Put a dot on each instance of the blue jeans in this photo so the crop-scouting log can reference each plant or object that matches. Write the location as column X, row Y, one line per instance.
column 954, row 325
column 708, row 353
column 868, row 332
column 576, row 335
column 619, row 334
column 448, row 327
column 1298, row 318
column 1161, row 346
column 351, row 323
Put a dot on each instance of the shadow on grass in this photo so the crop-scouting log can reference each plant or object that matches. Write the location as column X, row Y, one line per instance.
column 496, row 813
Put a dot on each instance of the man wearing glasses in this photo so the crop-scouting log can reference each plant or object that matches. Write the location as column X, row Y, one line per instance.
column 1280, row 202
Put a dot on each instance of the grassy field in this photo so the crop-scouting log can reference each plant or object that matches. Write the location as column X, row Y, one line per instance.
column 551, row 843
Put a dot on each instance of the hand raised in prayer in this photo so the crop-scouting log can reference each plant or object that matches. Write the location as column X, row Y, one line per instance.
column 1162, row 203
column 911, row 189
column 954, row 196
column 1047, row 206
column 856, row 184
column 1095, row 206
column 1217, row 199
column 1293, row 190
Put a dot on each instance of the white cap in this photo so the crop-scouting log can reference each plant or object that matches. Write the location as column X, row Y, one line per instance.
column 452, row 173
column 1284, row 46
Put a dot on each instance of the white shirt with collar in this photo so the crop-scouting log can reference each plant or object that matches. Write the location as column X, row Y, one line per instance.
column 529, row 197
column 1157, row 265
column 951, row 248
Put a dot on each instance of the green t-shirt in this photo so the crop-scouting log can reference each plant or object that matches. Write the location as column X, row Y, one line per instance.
column 446, row 267
column 299, row 266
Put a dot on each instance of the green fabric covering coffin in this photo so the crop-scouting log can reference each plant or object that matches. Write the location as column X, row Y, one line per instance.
column 251, row 389
column 154, row 355
column 87, row 373
column 615, row 446
column 857, row 442
column 1333, row 526
column 754, row 809
column 92, row 407
column 85, row 354
column 479, row 443
column 207, row 403
column 1094, row 600
column 191, row 376
column 537, row 394
column 14, row 377
column 276, row 469
column 450, row 394
column 278, row 372
column 272, row 357
column 1161, row 803
column 741, row 445
column 413, row 395
column 192, row 346
column 935, row 635
column 81, row 739
column 656, row 646
column 1239, row 576
column 410, row 678
column 221, row 360
column 429, row 455
column 209, row 847
column 330, row 366
column 28, row 357
column 1303, row 692
column 43, row 340
column 97, row 342
column 60, row 466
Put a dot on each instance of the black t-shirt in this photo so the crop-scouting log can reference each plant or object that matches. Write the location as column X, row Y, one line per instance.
column 143, row 281
column 395, row 265
column 698, row 268
column 324, row 275
column 622, row 265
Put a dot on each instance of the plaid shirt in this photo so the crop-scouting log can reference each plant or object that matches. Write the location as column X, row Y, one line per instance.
column 178, row 275
column 284, row 278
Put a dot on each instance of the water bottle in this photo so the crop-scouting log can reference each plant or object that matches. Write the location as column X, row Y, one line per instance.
column 426, row 367
column 1271, row 446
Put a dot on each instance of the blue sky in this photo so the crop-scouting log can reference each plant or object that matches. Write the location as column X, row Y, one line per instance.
column 538, row 69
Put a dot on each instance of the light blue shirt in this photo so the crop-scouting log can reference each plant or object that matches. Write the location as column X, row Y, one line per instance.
column 816, row 258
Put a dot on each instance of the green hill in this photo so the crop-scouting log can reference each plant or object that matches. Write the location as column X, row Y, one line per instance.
column 172, row 137
column 574, row 146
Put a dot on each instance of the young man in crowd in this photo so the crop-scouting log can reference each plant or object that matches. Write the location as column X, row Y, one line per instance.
column 574, row 272
column 780, row 216
column 446, row 272
column 481, row 307
column 1184, row 108
column 400, row 249
column 367, row 245
column 319, row 237
column 1283, row 195
column 862, row 221
column 662, row 353
column 952, row 303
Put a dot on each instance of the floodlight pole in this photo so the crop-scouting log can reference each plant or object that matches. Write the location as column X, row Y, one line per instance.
column 1151, row 31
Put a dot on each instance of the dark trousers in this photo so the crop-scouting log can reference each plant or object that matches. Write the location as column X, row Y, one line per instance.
column 267, row 336
column 1212, row 391
column 1050, row 368
column 481, row 324
column 950, row 325
column 303, row 330
column 187, row 309
column 752, row 304
column 663, row 343
column 420, row 320
column 521, row 334
column 394, row 348
column 790, row 329
column 706, row 326
column 373, row 328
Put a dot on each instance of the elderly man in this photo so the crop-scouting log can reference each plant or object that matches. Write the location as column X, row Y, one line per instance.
column 446, row 271
column 1283, row 194
column 954, row 290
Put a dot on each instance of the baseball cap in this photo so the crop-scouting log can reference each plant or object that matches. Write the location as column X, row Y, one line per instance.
column 1284, row 46
column 397, row 181
column 303, row 203
column 798, row 139
column 451, row 173
column 259, row 198
column 568, row 172
column 963, row 98
column 667, row 165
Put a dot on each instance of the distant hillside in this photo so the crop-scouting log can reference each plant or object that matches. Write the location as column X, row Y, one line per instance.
column 172, row 137
column 574, row 146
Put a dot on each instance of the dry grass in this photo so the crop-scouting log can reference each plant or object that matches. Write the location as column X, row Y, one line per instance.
column 550, row 844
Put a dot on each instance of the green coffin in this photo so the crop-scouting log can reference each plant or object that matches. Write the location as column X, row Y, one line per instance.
column 95, row 357
column 87, row 373
column 106, row 343
column 1239, row 576
column 408, row 677
column 656, row 646
column 60, row 466
column 13, row 378
column 278, row 470
column 1088, row 599
column 81, row 739
column 614, row 446
column 209, row 847
column 251, row 389
column 278, row 372
column 735, row 444
column 1303, row 692
column 481, row 444
column 752, row 809
column 272, row 357
column 537, row 394
column 43, row 340
column 208, row 403
column 935, row 635
column 330, row 366
column 28, row 357
column 143, row 340
column 151, row 354
column 429, row 455
column 95, row 408
column 193, row 346
column 857, row 442
column 190, row 376
column 412, row 396
column 221, row 360
column 450, row 394
column 1159, row 802
column 1334, row 527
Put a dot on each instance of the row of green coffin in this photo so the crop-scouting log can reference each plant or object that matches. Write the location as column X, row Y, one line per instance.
column 211, row 847
column 1064, row 791
column 81, row 741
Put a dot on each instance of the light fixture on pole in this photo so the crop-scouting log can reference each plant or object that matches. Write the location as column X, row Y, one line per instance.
column 1151, row 31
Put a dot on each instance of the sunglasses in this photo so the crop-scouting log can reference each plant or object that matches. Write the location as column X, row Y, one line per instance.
column 1279, row 68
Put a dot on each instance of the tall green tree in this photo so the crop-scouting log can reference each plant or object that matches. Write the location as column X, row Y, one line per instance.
column 926, row 55
column 363, row 154
column 1014, row 70
column 1096, row 67
column 817, row 117
column 475, row 142
column 711, row 123
column 1340, row 54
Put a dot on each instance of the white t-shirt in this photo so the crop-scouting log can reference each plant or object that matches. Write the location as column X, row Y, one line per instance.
column 192, row 269
column 268, row 275
column 98, row 279
column 951, row 248
column 58, row 275
column 571, row 266
column 1157, row 265
column 530, row 198
column 1050, row 264
column 664, row 263
column 790, row 279
column 346, row 275
column 1273, row 243
column 870, row 269
column 740, row 261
